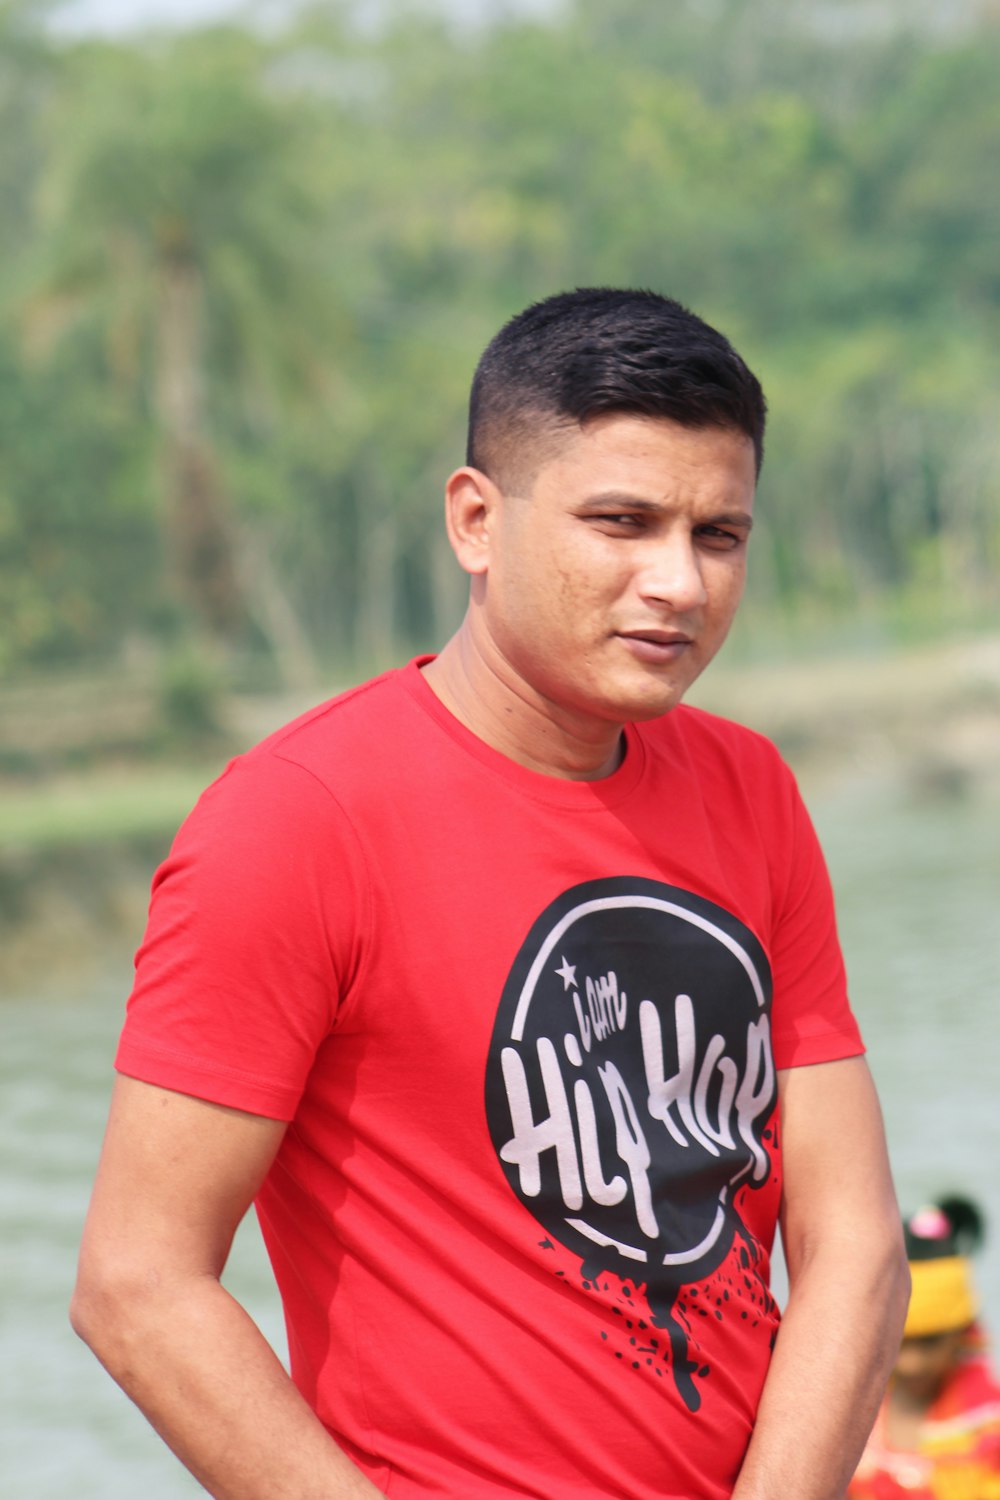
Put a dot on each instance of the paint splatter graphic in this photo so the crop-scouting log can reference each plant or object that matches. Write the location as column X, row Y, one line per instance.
column 638, row 1339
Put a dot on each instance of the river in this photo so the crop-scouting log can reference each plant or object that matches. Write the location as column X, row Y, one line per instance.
column 918, row 890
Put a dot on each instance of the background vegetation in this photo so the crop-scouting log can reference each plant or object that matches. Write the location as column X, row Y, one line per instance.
column 245, row 274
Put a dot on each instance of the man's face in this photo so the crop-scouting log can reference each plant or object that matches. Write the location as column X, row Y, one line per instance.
column 613, row 581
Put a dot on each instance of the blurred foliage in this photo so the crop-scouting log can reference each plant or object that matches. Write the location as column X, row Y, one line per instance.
column 246, row 275
column 191, row 695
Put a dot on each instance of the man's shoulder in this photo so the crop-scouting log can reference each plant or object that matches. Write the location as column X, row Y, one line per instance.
column 732, row 767
column 701, row 731
column 334, row 749
column 353, row 715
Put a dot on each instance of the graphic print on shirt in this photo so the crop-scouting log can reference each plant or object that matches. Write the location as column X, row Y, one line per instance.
column 629, row 1086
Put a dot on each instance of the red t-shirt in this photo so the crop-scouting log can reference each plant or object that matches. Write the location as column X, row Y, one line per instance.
column 525, row 1031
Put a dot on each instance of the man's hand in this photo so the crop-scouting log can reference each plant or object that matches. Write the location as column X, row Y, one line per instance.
column 177, row 1175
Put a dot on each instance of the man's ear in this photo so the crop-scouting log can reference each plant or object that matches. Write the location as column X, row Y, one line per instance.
column 472, row 502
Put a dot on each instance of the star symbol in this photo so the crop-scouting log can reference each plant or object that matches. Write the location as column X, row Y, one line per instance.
column 567, row 974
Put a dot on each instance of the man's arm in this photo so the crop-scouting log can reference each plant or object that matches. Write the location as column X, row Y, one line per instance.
column 176, row 1176
column 848, row 1288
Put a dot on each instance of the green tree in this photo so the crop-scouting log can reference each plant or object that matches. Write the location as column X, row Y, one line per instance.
column 178, row 223
column 263, row 268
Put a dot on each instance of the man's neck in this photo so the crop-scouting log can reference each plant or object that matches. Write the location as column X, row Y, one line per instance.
column 487, row 696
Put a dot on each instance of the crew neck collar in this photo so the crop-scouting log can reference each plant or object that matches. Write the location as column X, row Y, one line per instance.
column 558, row 791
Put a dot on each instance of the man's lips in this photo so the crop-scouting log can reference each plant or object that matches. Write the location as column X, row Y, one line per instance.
column 656, row 646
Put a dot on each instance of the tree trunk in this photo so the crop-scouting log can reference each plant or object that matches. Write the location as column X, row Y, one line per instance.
column 275, row 616
column 378, row 531
column 197, row 522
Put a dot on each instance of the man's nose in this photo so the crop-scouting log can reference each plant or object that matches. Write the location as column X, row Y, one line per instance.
column 672, row 575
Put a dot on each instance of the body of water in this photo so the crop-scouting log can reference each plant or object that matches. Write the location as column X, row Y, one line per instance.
column 918, row 889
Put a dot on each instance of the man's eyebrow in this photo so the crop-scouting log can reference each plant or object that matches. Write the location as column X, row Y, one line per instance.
column 619, row 497
column 741, row 518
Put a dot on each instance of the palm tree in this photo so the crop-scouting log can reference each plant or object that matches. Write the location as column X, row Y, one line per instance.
column 180, row 225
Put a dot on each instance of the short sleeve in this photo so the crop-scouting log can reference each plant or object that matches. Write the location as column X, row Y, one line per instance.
column 813, row 1021
column 254, row 941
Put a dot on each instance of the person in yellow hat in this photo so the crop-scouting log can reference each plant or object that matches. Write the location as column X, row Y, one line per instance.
column 937, row 1435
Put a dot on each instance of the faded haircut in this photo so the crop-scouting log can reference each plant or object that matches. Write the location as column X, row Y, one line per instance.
column 598, row 350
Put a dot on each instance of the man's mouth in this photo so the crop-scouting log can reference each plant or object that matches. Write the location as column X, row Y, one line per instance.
column 656, row 646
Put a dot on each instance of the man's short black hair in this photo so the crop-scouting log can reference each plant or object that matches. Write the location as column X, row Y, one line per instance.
column 599, row 350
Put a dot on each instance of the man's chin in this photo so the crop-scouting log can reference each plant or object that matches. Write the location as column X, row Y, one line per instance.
column 630, row 697
column 648, row 702
column 646, row 711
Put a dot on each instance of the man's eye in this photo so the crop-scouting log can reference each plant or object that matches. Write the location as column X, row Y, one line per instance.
column 719, row 538
column 616, row 521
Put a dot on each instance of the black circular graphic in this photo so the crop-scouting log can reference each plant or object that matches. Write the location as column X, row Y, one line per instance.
column 629, row 1083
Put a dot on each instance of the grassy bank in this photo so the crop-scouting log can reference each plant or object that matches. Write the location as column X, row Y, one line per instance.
column 122, row 805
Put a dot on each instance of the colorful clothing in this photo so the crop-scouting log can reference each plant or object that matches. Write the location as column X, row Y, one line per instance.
column 525, row 1032
column 959, row 1453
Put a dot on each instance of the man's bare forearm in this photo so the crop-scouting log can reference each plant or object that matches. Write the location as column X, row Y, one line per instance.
column 849, row 1286
column 198, row 1367
column 837, row 1343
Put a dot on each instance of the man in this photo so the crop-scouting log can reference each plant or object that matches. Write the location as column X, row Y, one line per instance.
column 509, row 989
